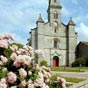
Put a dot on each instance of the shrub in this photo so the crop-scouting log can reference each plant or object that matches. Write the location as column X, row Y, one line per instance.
column 17, row 44
column 19, row 70
column 43, row 63
column 83, row 61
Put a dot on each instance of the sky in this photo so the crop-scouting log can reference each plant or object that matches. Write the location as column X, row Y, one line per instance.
column 19, row 16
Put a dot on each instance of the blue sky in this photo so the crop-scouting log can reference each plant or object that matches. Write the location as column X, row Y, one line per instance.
column 19, row 16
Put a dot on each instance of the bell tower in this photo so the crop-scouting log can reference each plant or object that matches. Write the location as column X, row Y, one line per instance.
column 54, row 11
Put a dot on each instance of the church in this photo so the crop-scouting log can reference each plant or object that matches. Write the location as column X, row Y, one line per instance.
column 58, row 40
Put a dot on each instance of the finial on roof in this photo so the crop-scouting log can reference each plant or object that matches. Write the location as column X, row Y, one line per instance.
column 71, row 22
column 40, row 19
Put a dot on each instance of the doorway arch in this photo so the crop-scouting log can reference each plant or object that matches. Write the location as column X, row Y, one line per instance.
column 55, row 61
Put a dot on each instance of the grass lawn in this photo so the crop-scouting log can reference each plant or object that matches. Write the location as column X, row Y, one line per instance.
column 74, row 80
column 68, row 79
column 68, row 69
column 85, row 68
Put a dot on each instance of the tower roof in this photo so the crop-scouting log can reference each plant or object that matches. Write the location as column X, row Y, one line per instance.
column 55, row 3
column 71, row 22
column 40, row 19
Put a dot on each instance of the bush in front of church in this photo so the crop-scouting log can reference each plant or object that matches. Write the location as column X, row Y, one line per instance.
column 80, row 61
column 19, row 70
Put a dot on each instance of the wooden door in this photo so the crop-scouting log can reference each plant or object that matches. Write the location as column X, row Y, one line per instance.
column 55, row 61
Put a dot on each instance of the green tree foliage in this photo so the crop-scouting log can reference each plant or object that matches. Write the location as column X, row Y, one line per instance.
column 17, row 44
column 83, row 61
column 43, row 63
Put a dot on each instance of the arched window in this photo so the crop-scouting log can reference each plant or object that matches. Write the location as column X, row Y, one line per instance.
column 55, row 43
column 55, row 15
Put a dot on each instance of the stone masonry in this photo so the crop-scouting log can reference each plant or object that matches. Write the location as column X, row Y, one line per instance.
column 57, row 39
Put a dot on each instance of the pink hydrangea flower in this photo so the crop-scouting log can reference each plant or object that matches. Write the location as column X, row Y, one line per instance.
column 22, row 84
column 13, row 56
column 13, row 48
column 4, row 43
column 3, row 80
column 39, row 82
column 8, row 36
column 31, row 86
column 16, row 64
column 62, row 81
column 22, row 72
column 40, row 53
column 3, row 85
column 24, row 59
column 29, row 49
column 63, row 85
column 3, row 59
column 12, row 77
column 3, row 40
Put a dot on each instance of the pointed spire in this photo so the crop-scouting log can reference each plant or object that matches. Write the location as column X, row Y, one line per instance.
column 54, row 7
column 71, row 22
column 40, row 19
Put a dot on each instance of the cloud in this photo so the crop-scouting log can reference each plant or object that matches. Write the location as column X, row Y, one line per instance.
column 19, row 16
column 82, row 30
column 81, row 18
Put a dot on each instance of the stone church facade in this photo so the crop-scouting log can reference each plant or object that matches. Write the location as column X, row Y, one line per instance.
column 57, row 39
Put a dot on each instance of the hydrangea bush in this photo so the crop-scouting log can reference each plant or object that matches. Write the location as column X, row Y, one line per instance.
column 20, row 70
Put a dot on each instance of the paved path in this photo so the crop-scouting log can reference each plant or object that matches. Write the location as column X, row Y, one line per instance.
column 73, row 74
column 83, row 84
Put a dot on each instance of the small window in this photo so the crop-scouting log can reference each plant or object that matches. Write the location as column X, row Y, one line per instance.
column 55, row 44
column 55, row 30
column 56, row 15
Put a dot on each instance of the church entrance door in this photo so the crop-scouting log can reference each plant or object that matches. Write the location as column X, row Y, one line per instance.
column 56, row 61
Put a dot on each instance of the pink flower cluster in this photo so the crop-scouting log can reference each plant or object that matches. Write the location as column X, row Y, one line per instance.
column 12, row 77
column 26, row 50
column 62, row 81
column 20, row 60
column 21, row 56
column 21, row 67
column 40, row 53
column 3, row 83
column 3, row 40
column 22, row 84
column 4, row 44
column 3, row 60
column 22, row 73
